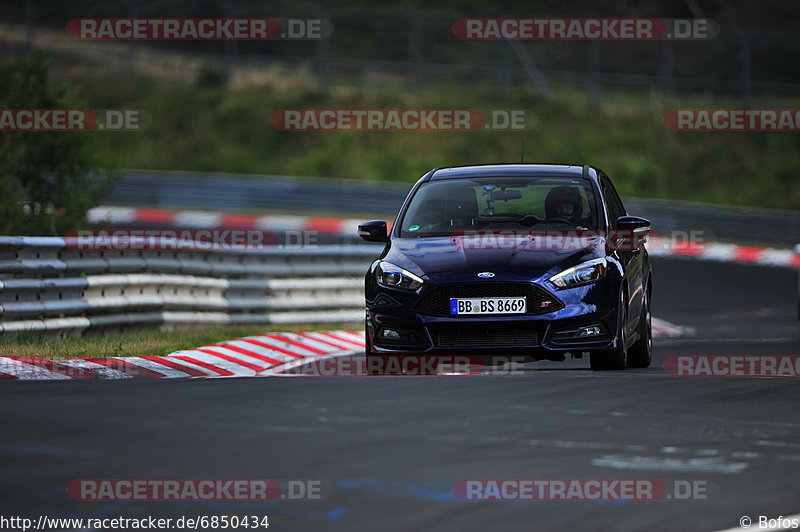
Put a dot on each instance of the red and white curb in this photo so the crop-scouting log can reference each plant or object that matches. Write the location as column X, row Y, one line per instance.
column 763, row 256
column 244, row 357
column 191, row 219
column 253, row 356
column 665, row 329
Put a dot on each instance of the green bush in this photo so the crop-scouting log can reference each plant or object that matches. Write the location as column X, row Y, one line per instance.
column 48, row 179
column 214, row 129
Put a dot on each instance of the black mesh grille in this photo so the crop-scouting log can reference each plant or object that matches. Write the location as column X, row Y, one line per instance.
column 538, row 300
column 489, row 335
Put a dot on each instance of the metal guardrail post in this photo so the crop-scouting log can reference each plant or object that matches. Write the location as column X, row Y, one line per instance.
column 797, row 261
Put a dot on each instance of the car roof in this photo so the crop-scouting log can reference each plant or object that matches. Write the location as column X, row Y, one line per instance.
column 512, row 170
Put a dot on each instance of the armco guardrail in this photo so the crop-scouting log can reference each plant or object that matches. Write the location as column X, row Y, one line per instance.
column 49, row 286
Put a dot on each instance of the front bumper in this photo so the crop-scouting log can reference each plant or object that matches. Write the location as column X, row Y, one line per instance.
column 542, row 336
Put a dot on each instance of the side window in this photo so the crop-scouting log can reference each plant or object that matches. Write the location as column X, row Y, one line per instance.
column 615, row 207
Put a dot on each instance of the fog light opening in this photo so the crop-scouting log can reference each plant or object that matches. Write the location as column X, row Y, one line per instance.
column 586, row 332
column 395, row 336
column 391, row 334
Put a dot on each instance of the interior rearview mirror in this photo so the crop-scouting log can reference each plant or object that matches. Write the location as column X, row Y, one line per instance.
column 505, row 195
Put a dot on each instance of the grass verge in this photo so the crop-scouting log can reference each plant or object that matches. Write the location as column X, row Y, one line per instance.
column 213, row 129
column 140, row 343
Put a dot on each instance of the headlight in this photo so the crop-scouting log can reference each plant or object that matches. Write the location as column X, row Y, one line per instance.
column 393, row 276
column 586, row 273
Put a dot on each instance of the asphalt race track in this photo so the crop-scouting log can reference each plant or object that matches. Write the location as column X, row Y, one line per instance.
column 393, row 447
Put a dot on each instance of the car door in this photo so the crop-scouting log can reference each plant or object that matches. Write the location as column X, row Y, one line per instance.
column 630, row 257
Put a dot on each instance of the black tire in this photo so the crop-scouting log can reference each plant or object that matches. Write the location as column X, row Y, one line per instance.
column 614, row 359
column 640, row 354
column 367, row 342
column 374, row 364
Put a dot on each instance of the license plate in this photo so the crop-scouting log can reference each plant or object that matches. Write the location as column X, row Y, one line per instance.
column 488, row 305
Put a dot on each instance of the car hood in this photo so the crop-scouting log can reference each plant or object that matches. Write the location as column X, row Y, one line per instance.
column 429, row 256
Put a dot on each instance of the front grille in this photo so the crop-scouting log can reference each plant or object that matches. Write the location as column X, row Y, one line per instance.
column 538, row 300
column 491, row 335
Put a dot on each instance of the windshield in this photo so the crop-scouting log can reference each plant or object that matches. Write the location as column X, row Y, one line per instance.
column 442, row 208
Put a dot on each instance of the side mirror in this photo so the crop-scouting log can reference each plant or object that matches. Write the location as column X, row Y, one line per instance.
column 633, row 223
column 631, row 232
column 374, row 231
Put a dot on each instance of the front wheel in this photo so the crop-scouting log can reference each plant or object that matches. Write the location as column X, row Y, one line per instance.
column 640, row 354
column 374, row 364
column 614, row 359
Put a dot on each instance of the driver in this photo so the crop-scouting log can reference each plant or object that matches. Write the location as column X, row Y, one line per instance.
column 564, row 202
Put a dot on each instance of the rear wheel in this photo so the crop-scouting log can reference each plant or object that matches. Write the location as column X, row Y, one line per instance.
column 640, row 354
column 614, row 359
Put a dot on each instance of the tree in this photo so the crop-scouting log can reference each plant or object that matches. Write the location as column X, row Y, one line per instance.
column 47, row 178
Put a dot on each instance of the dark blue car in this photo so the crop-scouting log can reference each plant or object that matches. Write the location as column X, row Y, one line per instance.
column 498, row 261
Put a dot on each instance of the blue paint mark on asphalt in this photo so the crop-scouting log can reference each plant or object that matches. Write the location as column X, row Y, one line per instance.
column 337, row 513
column 437, row 491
